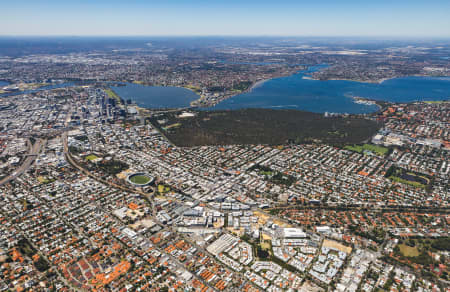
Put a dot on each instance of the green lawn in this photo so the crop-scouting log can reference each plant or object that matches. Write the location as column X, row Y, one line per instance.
column 377, row 149
column 91, row 157
column 408, row 182
column 355, row 148
column 266, row 245
column 268, row 173
column 369, row 147
column 162, row 189
column 44, row 180
column 140, row 179
column 193, row 88
column 408, row 251
column 435, row 101
column 176, row 125
column 112, row 94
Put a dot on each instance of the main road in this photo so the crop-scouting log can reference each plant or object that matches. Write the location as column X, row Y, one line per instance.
column 31, row 157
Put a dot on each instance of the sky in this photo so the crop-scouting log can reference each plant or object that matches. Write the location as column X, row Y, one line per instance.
column 406, row 18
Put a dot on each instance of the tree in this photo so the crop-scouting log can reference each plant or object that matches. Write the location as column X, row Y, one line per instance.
column 41, row 264
column 263, row 254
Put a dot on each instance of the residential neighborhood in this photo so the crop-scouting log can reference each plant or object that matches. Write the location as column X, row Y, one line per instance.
column 310, row 217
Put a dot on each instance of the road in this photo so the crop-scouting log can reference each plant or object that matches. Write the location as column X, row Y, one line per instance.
column 72, row 161
column 29, row 160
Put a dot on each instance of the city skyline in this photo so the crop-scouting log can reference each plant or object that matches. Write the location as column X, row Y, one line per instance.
column 226, row 18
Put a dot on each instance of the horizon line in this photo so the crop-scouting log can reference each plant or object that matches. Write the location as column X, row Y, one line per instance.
column 226, row 35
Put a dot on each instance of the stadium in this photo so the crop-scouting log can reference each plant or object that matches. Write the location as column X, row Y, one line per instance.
column 140, row 179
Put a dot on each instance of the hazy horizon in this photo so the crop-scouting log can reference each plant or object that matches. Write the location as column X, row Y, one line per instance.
column 284, row 18
column 350, row 37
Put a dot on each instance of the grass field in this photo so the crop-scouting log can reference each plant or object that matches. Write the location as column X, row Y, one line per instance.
column 44, row 180
column 354, row 148
column 369, row 147
column 408, row 251
column 113, row 95
column 435, row 101
column 140, row 179
column 193, row 88
column 176, row 125
column 163, row 189
column 408, row 182
column 91, row 157
column 268, row 173
column 266, row 245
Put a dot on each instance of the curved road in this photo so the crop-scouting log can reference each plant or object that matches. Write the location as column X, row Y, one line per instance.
column 31, row 157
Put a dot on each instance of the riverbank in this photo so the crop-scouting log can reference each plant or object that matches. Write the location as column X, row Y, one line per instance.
column 377, row 81
column 199, row 101
column 366, row 101
column 34, row 87
column 157, row 97
column 258, row 84
column 300, row 92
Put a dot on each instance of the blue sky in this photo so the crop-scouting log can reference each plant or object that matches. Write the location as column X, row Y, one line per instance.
column 231, row 17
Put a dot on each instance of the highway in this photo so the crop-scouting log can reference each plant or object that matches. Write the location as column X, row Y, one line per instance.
column 29, row 160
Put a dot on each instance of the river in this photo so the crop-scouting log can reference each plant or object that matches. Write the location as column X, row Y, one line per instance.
column 299, row 91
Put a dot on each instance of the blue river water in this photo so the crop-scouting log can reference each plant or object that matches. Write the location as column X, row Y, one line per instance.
column 53, row 86
column 3, row 83
column 298, row 91
column 156, row 96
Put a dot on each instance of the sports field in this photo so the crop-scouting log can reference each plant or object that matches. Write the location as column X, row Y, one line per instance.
column 140, row 179
column 408, row 251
